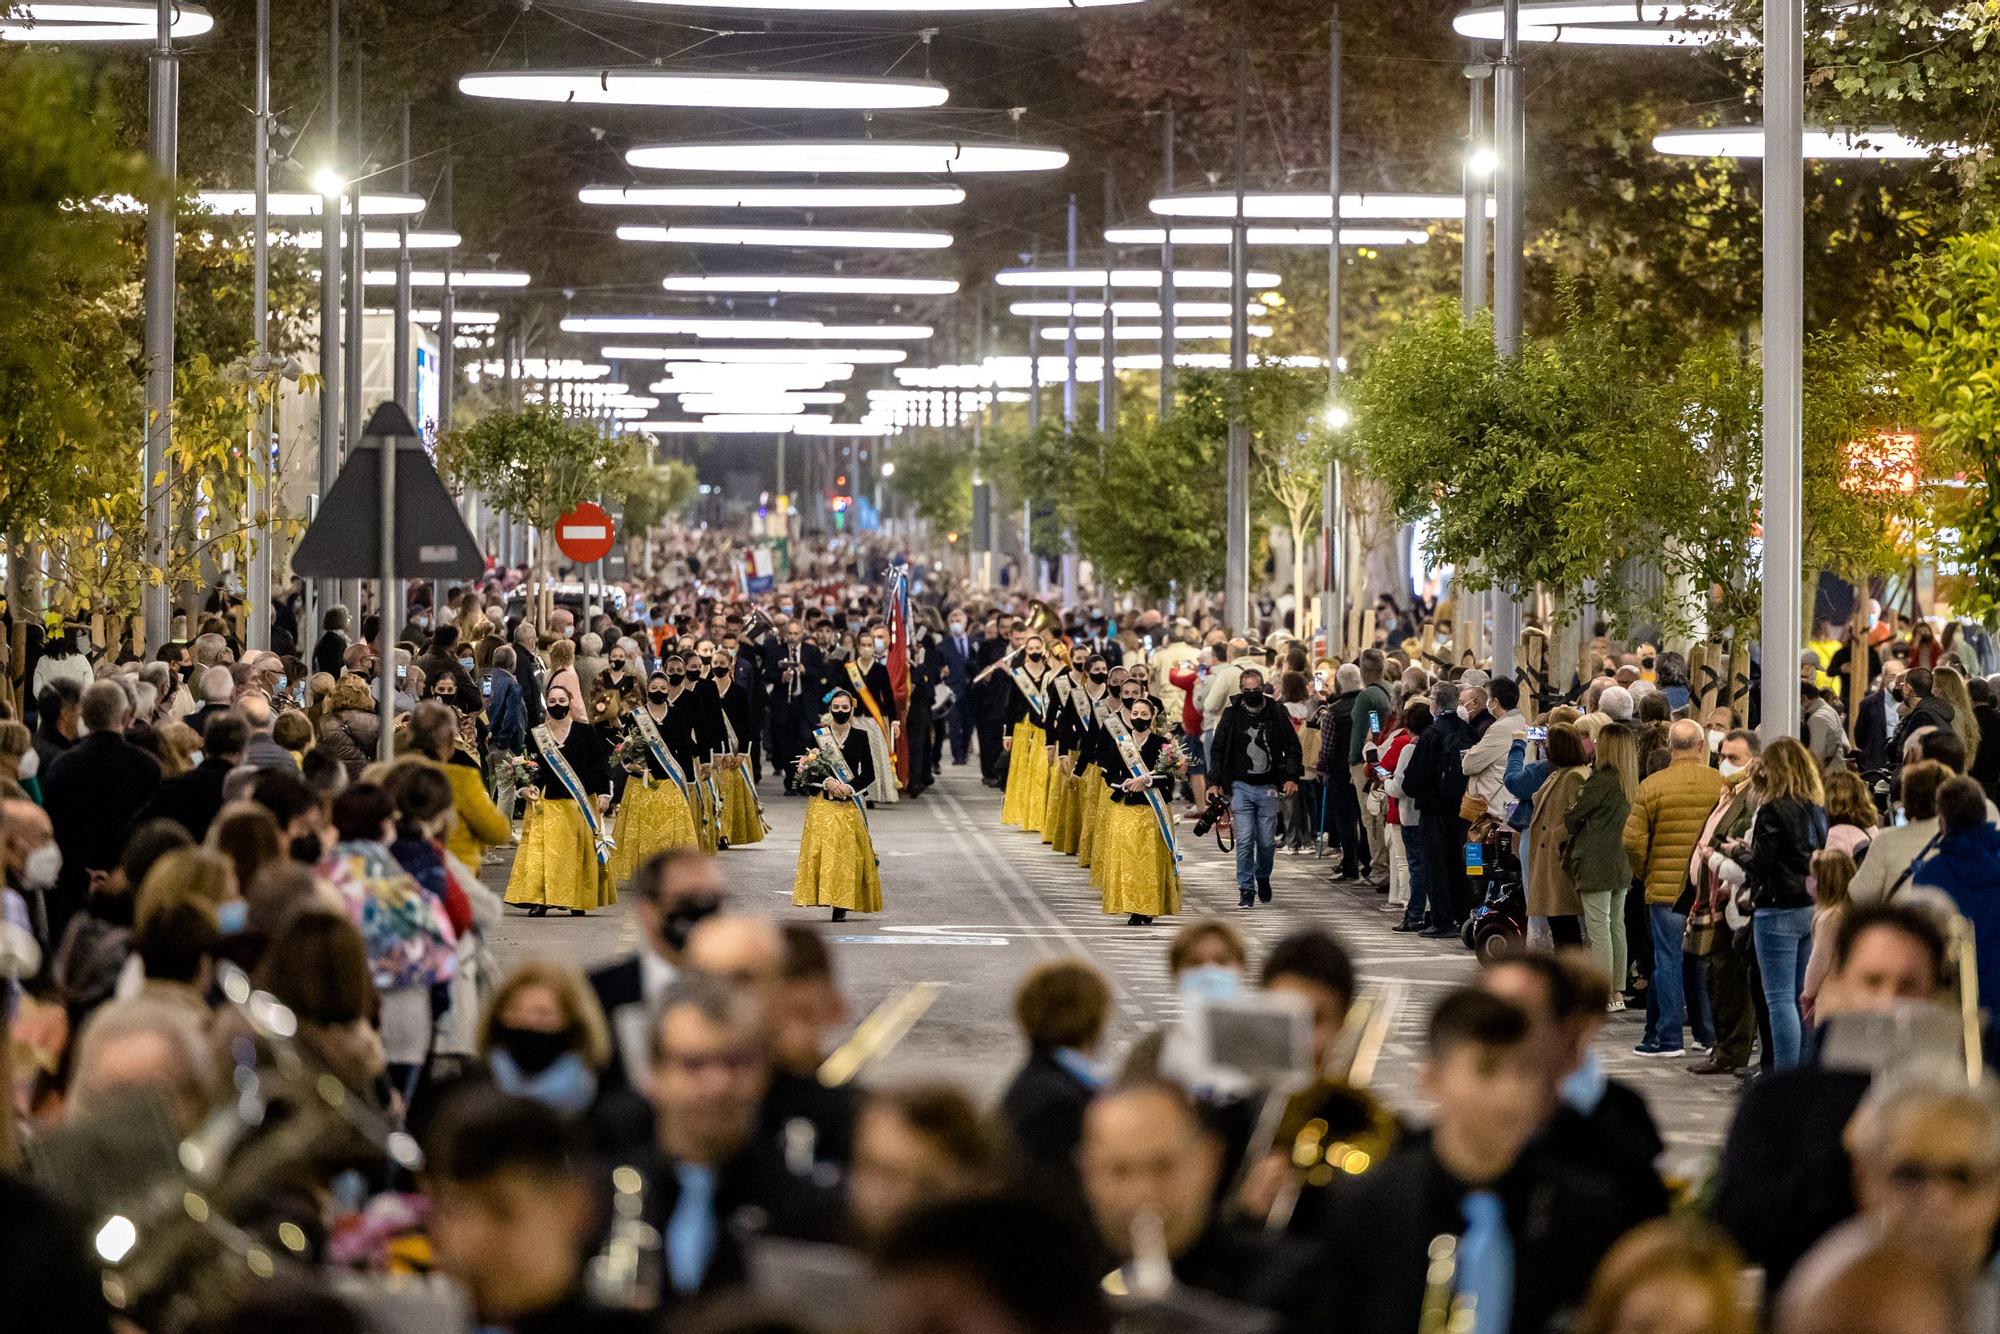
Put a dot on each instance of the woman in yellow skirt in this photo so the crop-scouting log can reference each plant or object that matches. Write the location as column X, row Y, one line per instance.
column 654, row 813
column 1134, row 865
column 1092, row 757
column 556, row 865
column 742, row 817
column 837, row 867
column 1026, row 741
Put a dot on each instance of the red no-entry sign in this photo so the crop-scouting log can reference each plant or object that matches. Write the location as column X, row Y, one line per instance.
column 584, row 534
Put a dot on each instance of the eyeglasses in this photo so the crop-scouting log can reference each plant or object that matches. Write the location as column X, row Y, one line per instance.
column 738, row 1061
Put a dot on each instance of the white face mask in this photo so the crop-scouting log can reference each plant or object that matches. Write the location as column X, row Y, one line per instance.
column 44, row 864
column 1731, row 770
column 1464, row 714
column 1715, row 735
column 31, row 763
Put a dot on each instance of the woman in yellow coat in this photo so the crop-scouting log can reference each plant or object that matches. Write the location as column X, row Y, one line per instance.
column 837, row 867
column 1028, row 716
column 654, row 813
column 1134, row 859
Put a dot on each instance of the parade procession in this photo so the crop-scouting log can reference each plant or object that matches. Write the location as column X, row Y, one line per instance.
column 999, row 667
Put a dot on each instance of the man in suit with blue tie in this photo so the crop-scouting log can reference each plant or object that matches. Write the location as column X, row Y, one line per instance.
column 955, row 658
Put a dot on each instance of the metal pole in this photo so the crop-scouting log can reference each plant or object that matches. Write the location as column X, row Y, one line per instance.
column 332, row 218
column 386, row 600
column 1333, row 515
column 1784, row 321
column 1510, row 237
column 982, row 490
column 1069, row 408
column 257, row 593
column 400, row 342
column 156, row 603
column 447, row 364
column 1034, row 425
column 1107, row 384
column 1472, row 268
column 1167, row 277
column 1236, row 567
column 353, row 418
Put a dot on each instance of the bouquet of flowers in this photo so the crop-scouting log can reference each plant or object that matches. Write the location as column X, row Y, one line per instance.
column 814, row 769
column 630, row 753
column 526, row 772
column 1171, row 763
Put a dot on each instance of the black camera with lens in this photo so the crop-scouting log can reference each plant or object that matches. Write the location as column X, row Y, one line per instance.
column 1218, row 806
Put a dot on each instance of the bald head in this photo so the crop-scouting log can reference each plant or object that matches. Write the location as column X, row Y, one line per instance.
column 1686, row 736
column 25, row 827
column 746, row 952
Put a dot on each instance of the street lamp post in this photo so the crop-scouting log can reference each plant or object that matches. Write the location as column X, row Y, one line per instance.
column 257, row 632
column 1333, row 515
column 1069, row 408
column 331, row 221
column 1510, row 161
column 1784, row 320
column 156, row 605
column 1236, row 496
column 1167, row 277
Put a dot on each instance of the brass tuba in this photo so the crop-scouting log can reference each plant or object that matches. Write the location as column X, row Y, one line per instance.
column 1042, row 618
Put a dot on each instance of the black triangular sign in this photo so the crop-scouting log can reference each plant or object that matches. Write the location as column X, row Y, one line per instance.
column 344, row 540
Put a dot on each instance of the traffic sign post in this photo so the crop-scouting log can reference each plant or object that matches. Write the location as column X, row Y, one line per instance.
column 585, row 534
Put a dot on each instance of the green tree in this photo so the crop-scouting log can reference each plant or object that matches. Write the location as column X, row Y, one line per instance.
column 1051, row 467
column 1950, row 333
column 935, row 480
column 1154, row 517
column 537, row 463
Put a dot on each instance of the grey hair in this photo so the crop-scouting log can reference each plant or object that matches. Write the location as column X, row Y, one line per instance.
column 106, row 706
column 590, row 644
column 1924, row 1086
column 1444, row 696
column 1347, row 677
column 1615, row 703
column 175, row 1025
column 217, row 685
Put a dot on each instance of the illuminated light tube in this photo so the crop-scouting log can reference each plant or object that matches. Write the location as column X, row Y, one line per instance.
column 1598, row 23
column 890, row 6
column 648, row 87
column 1129, row 310
column 284, row 204
column 459, row 318
column 849, row 429
column 1150, row 333
column 1268, row 236
column 798, row 238
column 1311, row 206
column 1747, row 141
column 536, row 368
column 376, row 238
column 791, row 356
column 772, row 196
column 760, row 427
column 788, row 380
column 1193, row 279
column 460, row 278
column 751, row 404
column 97, row 21
column 808, row 284
column 832, row 156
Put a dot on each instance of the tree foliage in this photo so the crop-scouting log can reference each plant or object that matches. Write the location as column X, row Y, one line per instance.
column 1950, row 333
column 654, row 493
column 538, row 463
column 935, row 480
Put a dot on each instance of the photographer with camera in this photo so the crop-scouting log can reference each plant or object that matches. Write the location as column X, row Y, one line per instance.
column 1253, row 762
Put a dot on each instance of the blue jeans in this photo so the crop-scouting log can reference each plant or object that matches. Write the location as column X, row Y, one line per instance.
column 1783, row 937
column 1413, row 856
column 1670, row 1005
column 1254, row 812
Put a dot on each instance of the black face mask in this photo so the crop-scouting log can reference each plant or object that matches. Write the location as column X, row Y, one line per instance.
column 841, row 715
column 1034, row 657
column 1100, row 676
column 533, row 1051
column 681, row 920
column 1141, row 724
column 306, row 849
column 657, row 696
column 675, row 678
column 558, row 711
column 1253, row 700
column 617, row 667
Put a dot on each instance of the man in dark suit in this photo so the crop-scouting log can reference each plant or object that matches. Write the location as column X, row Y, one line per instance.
column 193, row 798
column 989, row 698
column 1785, row 1180
column 954, row 655
column 795, row 681
column 711, row 1179
column 1875, row 725
column 94, row 793
column 1529, row 1228
column 672, row 892
column 1103, row 643
column 1921, row 708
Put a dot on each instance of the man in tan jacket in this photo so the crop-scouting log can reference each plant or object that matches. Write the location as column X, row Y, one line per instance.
column 1660, row 834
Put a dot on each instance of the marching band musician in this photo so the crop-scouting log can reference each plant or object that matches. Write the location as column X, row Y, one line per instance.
column 654, row 814
column 1027, row 735
column 837, row 867
column 1136, row 852
column 558, row 864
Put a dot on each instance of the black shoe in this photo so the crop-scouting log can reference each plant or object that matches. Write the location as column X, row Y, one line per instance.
column 1442, row 931
column 840, row 914
column 1246, row 898
column 538, row 910
column 1263, row 890
column 576, row 912
column 1407, row 925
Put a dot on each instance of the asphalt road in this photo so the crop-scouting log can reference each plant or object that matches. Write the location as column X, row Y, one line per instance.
column 971, row 906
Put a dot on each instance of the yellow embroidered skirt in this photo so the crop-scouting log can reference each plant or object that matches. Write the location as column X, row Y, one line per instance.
column 556, row 864
column 1066, row 805
column 707, row 818
column 742, row 820
column 1027, row 779
column 1091, row 797
column 1133, row 869
column 652, row 817
column 836, row 859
